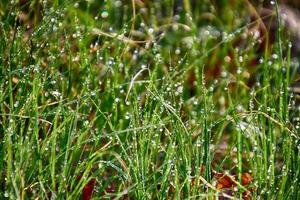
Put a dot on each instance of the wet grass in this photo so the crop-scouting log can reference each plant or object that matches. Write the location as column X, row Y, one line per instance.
column 150, row 103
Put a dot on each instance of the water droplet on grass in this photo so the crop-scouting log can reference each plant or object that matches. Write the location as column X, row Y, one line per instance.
column 275, row 56
column 118, row 4
column 16, row 104
column 223, row 74
column 227, row 59
column 150, row 30
column 104, row 14
column 6, row 194
column 241, row 59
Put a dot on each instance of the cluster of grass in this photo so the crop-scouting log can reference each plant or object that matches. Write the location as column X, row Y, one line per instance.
column 146, row 98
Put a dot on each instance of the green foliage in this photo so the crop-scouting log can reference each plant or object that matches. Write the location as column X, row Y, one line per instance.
column 148, row 98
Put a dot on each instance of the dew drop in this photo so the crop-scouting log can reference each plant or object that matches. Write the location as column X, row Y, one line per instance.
column 104, row 14
column 6, row 194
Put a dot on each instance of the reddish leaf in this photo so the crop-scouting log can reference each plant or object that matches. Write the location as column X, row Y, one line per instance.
column 248, row 194
column 88, row 190
column 246, row 178
column 224, row 181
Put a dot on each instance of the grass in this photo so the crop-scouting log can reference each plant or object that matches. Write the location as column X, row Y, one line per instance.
column 147, row 103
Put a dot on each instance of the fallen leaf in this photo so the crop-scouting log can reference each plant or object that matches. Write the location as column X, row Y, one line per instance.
column 224, row 181
column 228, row 182
column 88, row 190
column 246, row 178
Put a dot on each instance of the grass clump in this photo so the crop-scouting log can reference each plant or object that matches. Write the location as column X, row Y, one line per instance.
column 146, row 100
